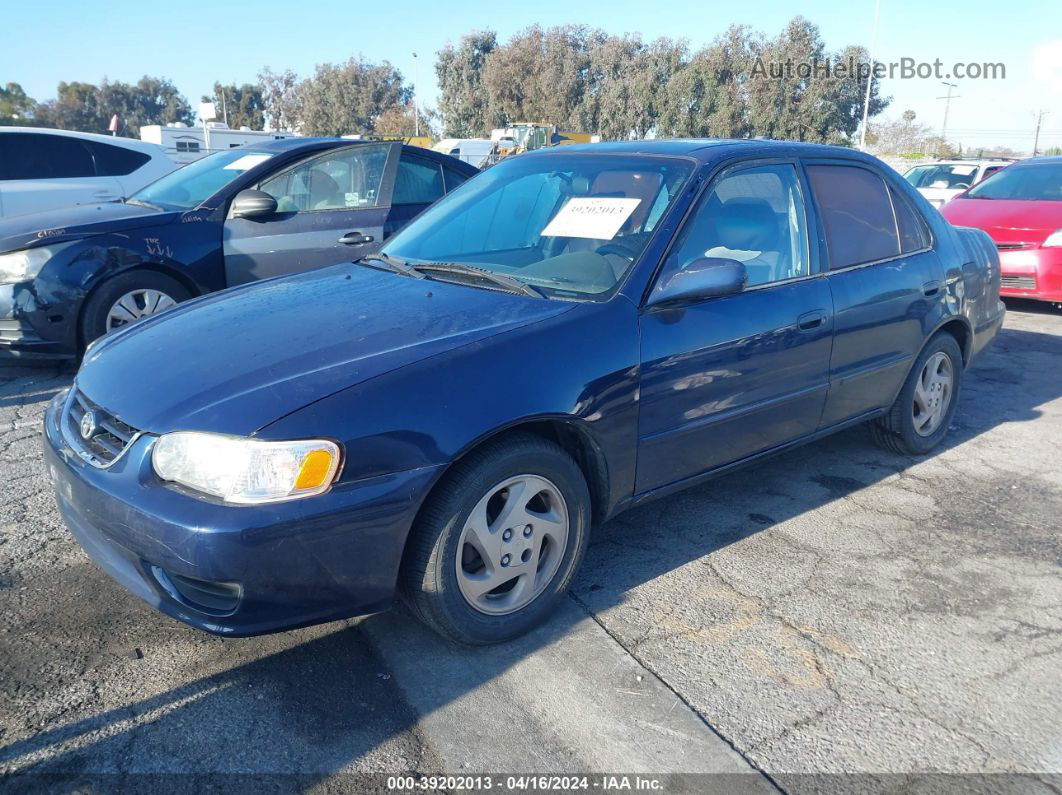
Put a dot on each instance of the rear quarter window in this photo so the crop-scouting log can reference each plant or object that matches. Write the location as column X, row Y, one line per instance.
column 115, row 161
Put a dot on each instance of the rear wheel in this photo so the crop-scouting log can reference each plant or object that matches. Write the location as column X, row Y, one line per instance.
column 918, row 421
column 497, row 544
column 127, row 298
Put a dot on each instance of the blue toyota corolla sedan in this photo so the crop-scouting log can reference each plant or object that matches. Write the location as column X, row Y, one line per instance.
column 571, row 333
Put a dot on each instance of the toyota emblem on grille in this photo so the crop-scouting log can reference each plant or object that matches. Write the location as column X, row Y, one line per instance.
column 89, row 425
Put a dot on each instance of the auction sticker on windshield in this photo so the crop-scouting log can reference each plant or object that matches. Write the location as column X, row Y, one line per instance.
column 247, row 162
column 594, row 218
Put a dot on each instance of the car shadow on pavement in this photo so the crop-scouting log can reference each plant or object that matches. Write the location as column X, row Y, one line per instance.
column 333, row 703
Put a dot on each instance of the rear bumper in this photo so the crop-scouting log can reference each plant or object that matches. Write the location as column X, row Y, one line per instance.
column 286, row 565
column 1034, row 273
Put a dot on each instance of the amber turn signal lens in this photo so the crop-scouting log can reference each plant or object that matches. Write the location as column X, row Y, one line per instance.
column 316, row 467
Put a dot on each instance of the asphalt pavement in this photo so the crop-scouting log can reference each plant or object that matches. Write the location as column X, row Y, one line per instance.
column 836, row 616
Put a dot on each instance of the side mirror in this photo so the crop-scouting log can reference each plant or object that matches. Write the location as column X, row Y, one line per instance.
column 703, row 278
column 253, row 204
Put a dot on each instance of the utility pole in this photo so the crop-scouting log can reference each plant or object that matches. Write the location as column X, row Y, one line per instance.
column 947, row 107
column 1036, row 138
column 416, row 92
column 870, row 77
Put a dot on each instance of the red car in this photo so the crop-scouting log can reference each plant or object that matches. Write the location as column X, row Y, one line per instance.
column 1021, row 209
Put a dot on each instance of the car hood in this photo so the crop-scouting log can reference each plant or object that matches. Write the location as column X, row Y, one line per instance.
column 71, row 223
column 236, row 361
column 1007, row 220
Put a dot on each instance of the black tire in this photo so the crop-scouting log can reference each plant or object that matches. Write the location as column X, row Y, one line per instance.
column 896, row 430
column 94, row 314
column 428, row 580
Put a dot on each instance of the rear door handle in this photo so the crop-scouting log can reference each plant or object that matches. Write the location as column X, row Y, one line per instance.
column 809, row 321
column 356, row 239
column 931, row 288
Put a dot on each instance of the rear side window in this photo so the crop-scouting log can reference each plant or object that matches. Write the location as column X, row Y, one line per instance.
column 913, row 236
column 417, row 181
column 857, row 214
column 115, row 161
column 453, row 178
column 35, row 156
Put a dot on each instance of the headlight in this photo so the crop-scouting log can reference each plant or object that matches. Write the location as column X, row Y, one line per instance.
column 246, row 471
column 1054, row 239
column 21, row 266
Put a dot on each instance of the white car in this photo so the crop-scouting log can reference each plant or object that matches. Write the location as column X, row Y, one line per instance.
column 944, row 180
column 41, row 169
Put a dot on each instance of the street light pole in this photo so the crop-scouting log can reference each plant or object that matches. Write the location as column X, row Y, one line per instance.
column 947, row 107
column 416, row 97
column 870, row 77
column 1036, row 138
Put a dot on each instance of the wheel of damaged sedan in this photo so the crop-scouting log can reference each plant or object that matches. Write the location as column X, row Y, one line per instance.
column 918, row 421
column 127, row 298
column 498, row 541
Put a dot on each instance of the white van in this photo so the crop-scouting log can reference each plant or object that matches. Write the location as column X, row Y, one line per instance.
column 41, row 169
column 475, row 151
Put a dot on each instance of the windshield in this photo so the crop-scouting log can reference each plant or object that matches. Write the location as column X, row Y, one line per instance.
column 954, row 176
column 569, row 224
column 1032, row 182
column 188, row 187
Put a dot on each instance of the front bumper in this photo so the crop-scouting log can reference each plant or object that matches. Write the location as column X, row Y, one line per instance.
column 288, row 564
column 1034, row 273
column 20, row 315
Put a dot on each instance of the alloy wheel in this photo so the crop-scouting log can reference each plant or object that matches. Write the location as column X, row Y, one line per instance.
column 512, row 544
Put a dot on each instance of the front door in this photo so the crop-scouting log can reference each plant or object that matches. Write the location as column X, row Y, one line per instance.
column 330, row 208
column 727, row 377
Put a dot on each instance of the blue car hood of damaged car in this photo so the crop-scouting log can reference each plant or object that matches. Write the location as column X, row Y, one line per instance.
column 236, row 361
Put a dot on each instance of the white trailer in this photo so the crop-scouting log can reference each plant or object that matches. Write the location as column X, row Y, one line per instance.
column 186, row 144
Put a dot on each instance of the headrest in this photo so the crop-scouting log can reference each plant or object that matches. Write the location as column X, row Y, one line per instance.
column 747, row 225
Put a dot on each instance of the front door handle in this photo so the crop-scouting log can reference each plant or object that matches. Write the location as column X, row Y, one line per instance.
column 931, row 288
column 356, row 239
column 809, row 321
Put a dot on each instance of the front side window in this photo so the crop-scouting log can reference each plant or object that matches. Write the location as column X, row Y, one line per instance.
column 190, row 186
column 857, row 214
column 1032, row 182
column 343, row 179
column 755, row 216
column 569, row 224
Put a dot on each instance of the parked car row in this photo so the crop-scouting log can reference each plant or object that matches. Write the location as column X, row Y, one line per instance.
column 70, row 275
column 568, row 334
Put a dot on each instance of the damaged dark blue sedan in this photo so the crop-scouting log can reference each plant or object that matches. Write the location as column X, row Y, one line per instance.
column 571, row 333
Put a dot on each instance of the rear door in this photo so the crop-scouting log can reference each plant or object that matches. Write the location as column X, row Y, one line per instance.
column 39, row 171
column 331, row 207
column 884, row 279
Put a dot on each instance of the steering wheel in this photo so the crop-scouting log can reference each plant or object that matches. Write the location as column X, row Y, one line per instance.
column 620, row 248
column 962, row 185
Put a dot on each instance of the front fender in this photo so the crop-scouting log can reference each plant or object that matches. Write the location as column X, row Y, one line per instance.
column 578, row 368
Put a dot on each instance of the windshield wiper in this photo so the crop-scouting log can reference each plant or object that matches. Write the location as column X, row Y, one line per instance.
column 510, row 283
column 141, row 203
column 389, row 263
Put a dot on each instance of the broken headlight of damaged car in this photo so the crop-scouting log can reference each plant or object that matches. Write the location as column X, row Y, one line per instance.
column 23, row 265
column 246, row 471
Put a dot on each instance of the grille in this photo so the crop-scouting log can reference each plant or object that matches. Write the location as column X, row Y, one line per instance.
column 1012, row 246
column 1018, row 282
column 100, row 439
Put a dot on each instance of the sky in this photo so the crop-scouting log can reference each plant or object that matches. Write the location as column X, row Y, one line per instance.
column 194, row 44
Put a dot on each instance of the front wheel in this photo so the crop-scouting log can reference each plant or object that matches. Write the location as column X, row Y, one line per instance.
column 498, row 542
column 127, row 298
column 919, row 419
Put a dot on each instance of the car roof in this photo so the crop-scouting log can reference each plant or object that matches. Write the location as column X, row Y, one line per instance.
column 310, row 144
column 709, row 149
column 128, row 143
